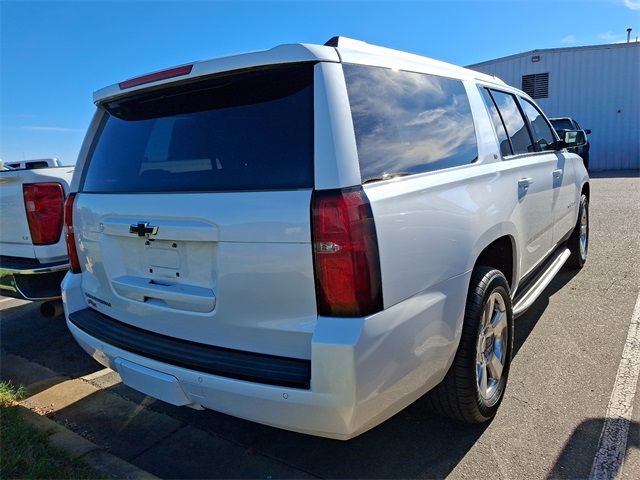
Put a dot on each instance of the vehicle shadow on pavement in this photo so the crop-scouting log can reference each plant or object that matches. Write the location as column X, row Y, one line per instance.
column 174, row 442
column 578, row 452
column 45, row 341
column 525, row 324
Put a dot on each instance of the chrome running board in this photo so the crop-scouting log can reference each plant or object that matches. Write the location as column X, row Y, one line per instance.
column 537, row 287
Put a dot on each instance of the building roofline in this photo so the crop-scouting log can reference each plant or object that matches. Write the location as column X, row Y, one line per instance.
column 557, row 49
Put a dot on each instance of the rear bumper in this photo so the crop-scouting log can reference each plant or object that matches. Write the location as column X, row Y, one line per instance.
column 31, row 280
column 362, row 370
column 225, row 362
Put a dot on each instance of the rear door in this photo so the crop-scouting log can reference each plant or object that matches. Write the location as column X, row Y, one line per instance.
column 530, row 176
column 193, row 218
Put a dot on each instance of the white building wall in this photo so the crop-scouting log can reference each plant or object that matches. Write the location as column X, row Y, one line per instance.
column 599, row 86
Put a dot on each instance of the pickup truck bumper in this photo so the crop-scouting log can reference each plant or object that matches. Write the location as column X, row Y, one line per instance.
column 29, row 279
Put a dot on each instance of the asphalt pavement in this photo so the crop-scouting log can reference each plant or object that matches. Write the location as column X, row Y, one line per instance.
column 568, row 351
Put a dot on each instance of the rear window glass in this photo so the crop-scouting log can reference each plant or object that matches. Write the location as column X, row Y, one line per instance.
column 562, row 124
column 407, row 122
column 32, row 165
column 248, row 131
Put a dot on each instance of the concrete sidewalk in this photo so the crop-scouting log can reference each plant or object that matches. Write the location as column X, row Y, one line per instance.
column 104, row 427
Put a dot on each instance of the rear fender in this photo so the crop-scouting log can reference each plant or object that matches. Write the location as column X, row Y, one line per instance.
column 492, row 234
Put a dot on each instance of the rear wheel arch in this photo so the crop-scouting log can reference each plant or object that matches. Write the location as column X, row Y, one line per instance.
column 501, row 255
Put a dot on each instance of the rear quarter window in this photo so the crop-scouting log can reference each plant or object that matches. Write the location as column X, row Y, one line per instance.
column 407, row 123
column 496, row 119
column 246, row 131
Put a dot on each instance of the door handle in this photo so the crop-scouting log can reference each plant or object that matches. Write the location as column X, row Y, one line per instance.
column 523, row 186
column 525, row 182
column 181, row 297
column 557, row 172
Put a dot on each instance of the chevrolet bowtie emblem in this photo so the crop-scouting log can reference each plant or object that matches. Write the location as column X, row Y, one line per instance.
column 143, row 229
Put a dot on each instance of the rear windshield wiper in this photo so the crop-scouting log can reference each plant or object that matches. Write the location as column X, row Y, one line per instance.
column 386, row 176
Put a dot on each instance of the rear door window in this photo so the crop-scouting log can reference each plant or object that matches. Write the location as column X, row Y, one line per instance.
column 407, row 122
column 542, row 132
column 514, row 122
column 246, row 131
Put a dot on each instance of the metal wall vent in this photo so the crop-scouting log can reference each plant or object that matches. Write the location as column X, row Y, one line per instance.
column 536, row 85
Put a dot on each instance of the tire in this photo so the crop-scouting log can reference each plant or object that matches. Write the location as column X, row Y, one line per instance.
column 460, row 394
column 577, row 243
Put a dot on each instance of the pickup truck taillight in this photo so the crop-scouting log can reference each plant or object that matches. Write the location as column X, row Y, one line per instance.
column 345, row 250
column 74, row 263
column 44, row 205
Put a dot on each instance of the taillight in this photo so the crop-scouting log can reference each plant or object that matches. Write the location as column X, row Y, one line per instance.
column 345, row 247
column 74, row 263
column 43, row 203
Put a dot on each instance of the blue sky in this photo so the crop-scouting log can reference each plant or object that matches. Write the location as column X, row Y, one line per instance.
column 55, row 54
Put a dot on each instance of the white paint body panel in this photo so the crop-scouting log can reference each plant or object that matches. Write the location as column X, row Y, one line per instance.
column 237, row 246
column 253, row 251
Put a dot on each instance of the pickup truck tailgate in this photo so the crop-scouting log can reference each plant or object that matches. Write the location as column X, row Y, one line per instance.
column 14, row 229
column 15, row 236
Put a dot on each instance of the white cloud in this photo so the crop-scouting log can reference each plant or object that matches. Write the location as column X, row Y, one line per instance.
column 609, row 37
column 632, row 4
column 50, row 129
column 569, row 40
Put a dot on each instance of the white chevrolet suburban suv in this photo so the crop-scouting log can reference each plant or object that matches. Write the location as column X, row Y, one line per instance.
column 313, row 237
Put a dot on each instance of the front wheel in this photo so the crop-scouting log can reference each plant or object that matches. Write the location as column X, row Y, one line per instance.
column 474, row 386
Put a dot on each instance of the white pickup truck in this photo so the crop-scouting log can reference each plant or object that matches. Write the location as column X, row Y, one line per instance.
column 33, row 254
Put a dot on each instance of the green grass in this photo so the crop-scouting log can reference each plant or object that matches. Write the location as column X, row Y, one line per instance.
column 25, row 451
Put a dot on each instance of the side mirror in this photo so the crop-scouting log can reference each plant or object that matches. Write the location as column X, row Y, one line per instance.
column 587, row 131
column 571, row 139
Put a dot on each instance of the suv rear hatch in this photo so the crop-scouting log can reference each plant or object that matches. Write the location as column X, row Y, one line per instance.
column 192, row 218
